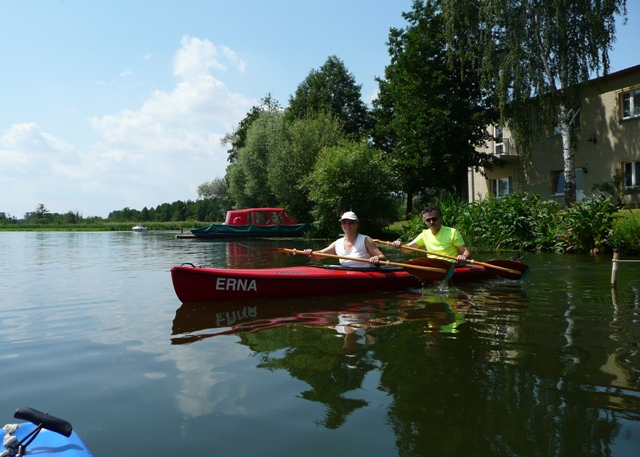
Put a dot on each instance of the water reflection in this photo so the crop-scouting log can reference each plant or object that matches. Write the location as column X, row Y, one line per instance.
column 331, row 343
column 90, row 322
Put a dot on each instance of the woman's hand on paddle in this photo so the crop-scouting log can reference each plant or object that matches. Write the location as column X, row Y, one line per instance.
column 375, row 260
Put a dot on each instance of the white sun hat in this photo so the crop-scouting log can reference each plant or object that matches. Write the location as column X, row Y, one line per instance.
column 350, row 215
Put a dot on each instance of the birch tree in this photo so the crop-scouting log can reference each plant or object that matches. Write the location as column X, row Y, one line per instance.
column 538, row 54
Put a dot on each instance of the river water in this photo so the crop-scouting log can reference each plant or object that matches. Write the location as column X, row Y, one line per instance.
column 92, row 331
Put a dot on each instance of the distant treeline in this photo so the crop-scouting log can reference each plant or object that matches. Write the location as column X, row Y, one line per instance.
column 205, row 210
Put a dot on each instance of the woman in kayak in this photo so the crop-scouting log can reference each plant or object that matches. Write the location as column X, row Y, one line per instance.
column 438, row 238
column 352, row 244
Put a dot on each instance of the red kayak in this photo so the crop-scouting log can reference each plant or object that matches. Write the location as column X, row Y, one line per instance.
column 199, row 284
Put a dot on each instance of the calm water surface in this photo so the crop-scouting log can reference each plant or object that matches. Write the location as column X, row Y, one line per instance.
column 91, row 331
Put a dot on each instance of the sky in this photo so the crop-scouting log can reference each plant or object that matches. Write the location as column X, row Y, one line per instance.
column 108, row 104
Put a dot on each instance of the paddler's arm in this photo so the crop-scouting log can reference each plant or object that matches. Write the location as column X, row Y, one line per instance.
column 331, row 249
column 374, row 251
column 463, row 254
column 413, row 244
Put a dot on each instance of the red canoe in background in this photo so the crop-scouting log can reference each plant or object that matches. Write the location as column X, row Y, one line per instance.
column 200, row 284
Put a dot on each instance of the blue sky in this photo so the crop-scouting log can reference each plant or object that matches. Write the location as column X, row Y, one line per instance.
column 114, row 104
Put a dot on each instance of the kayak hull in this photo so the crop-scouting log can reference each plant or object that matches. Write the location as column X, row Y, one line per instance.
column 49, row 443
column 201, row 284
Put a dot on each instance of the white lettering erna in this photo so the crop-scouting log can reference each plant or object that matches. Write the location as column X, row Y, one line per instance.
column 236, row 284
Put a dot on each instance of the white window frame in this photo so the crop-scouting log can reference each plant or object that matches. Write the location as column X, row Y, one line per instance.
column 501, row 187
column 575, row 125
column 630, row 104
column 498, row 140
column 631, row 172
column 557, row 182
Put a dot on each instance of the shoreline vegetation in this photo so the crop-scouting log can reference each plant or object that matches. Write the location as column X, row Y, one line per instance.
column 518, row 223
column 96, row 226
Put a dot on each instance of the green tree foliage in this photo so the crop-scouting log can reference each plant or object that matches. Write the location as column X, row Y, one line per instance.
column 205, row 210
column 351, row 177
column 238, row 138
column 215, row 200
column 291, row 162
column 248, row 176
column 430, row 112
column 538, row 54
column 331, row 89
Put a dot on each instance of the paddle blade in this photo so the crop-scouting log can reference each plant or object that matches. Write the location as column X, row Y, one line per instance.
column 518, row 266
column 432, row 263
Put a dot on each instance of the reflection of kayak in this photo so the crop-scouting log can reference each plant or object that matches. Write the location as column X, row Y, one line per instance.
column 200, row 284
column 45, row 435
column 194, row 322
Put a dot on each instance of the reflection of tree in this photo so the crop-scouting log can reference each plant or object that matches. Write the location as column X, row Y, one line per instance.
column 315, row 356
column 484, row 408
column 479, row 374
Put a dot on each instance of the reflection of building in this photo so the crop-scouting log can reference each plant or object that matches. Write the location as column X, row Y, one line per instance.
column 608, row 142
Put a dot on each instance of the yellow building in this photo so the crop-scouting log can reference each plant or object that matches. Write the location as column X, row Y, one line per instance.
column 608, row 141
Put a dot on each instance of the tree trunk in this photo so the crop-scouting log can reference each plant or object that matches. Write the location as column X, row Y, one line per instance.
column 462, row 182
column 568, row 157
column 409, row 202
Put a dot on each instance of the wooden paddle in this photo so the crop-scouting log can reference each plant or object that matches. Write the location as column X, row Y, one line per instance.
column 425, row 269
column 504, row 268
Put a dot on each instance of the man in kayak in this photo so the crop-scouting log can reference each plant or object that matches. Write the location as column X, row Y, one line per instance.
column 352, row 244
column 438, row 238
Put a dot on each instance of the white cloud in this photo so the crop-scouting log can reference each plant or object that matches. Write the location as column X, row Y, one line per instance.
column 184, row 118
column 197, row 56
column 24, row 147
column 28, row 138
column 157, row 153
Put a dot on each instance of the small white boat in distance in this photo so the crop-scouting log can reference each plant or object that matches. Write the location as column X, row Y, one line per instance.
column 139, row 228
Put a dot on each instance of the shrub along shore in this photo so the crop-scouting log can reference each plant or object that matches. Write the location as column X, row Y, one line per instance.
column 525, row 222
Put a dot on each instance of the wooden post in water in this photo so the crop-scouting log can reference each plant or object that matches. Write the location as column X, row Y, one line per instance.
column 614, row 268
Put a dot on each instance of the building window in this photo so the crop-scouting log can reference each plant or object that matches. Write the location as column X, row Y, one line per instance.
column 631, row 174
column 630, row 102
column 501, row 187
column 575, row 125
column 557, row 182
column 498, row 140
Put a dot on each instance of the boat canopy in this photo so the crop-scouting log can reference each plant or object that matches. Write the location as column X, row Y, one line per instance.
column 259, row 217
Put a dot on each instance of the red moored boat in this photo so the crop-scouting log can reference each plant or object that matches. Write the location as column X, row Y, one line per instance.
column 199, row 284
column 254, row 223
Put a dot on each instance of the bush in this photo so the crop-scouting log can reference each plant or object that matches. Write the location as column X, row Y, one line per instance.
column 625, row 234
column 351, row 178
column 523, row 221
column 586, row 225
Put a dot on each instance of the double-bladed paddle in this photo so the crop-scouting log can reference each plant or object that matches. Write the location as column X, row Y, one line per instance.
column 503, row 268
column 424, row 268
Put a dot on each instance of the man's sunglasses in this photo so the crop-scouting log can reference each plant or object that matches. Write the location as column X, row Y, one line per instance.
column 430, row 219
